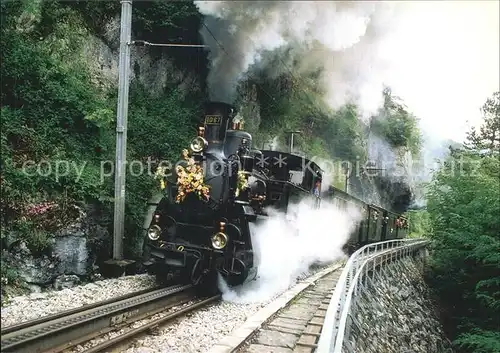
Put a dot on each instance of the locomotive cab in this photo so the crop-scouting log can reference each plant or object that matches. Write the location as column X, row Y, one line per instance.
column 290, row 178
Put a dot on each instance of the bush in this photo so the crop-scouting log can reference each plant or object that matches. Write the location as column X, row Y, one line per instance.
column 397, row 125
column 419, row 223
column 52, row 111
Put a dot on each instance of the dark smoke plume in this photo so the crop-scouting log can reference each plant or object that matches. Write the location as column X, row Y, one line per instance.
column 340, row 39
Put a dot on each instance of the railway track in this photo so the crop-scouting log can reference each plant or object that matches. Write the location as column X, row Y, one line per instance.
column 65, row 330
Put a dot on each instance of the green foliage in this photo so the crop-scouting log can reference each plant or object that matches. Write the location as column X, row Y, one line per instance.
column 156, row 21
column 419, row 223
column 295, row 105
column 153, row 20
column 292, row 102
column 11, row 284
column 52, row 110
column 9, row 276
column 162, row 126
column 479, row 341
column 464, row 204
column 52, row 113
column 159, row 128
column 343, row 134
column 398, row 126
column 44, row 104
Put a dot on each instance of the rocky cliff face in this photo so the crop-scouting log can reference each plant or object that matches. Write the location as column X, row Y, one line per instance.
column 71, row 255
column 389, row 178
column 73, row 251
column 151, row 68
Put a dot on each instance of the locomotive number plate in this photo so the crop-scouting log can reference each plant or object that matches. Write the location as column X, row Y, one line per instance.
column 213, row 119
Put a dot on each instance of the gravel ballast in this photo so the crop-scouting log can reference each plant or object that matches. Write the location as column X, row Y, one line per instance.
column 36, row 305
column 200, row 330
column 195, row 332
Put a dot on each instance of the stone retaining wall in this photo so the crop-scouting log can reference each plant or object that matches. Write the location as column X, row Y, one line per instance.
column 395, row 313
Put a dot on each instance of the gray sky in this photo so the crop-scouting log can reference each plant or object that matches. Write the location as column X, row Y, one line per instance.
column 445, row 62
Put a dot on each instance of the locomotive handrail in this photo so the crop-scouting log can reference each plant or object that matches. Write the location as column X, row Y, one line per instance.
column 355, row 271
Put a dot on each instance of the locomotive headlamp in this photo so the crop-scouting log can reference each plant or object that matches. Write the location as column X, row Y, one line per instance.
column 154, row 232
column 219, row 240
column 198, row 144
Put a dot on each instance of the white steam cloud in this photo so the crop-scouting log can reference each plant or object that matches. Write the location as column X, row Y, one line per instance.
column 287, row 245
column 338, row 38
column 441, row 57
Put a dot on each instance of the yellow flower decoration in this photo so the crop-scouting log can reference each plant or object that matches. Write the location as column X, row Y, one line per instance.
column 160, row 174
column 242, row 183
column 190, row 179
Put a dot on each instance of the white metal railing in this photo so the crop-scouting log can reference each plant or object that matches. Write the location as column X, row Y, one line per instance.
column 356, row 272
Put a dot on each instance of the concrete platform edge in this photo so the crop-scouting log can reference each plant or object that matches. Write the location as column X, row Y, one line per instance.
column 240, row 334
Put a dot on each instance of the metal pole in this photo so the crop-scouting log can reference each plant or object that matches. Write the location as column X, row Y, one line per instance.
column 347, row 178
column 291, row 138
column 121, row 128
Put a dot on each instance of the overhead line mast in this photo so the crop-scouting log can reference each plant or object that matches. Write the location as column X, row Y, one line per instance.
column 116, row 266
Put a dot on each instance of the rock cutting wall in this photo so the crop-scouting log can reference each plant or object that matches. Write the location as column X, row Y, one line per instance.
column 395, row 313
column 72, row 254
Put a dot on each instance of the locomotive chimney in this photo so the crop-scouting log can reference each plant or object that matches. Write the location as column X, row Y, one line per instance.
column 218, row 116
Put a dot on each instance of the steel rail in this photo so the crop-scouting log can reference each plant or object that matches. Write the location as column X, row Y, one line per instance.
column 24, row 324
column 115, row 341
column 355, row 270
column 66, row 331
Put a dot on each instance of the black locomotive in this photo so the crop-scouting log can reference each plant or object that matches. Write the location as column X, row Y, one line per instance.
column 202, row 223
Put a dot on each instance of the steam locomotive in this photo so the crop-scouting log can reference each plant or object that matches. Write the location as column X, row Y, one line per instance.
column 203, row 222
